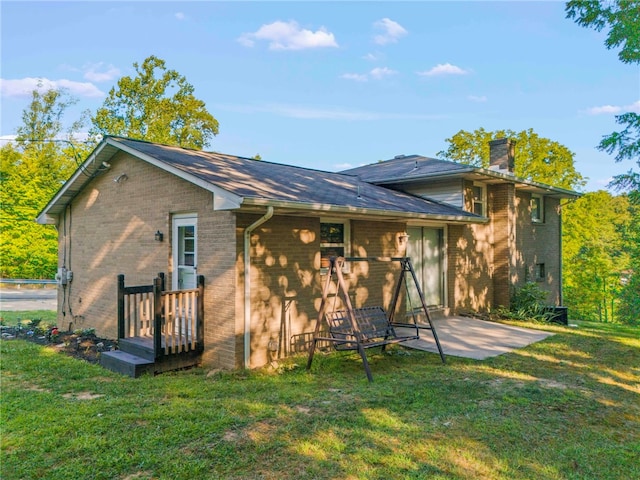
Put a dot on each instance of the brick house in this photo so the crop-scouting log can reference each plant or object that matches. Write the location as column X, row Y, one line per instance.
column 137, row 208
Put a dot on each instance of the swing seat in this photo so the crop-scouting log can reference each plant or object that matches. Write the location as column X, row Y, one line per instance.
column 373, row 329
column 367, row 327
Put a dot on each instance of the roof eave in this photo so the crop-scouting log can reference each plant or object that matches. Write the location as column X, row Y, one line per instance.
column 94, row 165
column 542, row 187
column 363, row 211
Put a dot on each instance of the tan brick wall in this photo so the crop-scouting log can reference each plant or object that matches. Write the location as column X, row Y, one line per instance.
column 110, row 231
column 502, row 216
column 539, row 243
column 486, row 262
column 470, row 267
column 372, row 283
column 285, row 261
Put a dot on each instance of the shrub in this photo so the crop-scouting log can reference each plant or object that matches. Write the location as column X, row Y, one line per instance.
column 528, row 302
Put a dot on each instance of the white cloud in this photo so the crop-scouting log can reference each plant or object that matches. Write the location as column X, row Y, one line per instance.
column 358, row 77
column 342, row 166
column 391, row 31
column 381, row 72
column 289, row 36
column 476, row 98
column 372, row 57
column 24, row 86
column 614, row 109
column 180, row 16
column 443, row 69
column 377, row 73
column 6, row 139
column 99, row 72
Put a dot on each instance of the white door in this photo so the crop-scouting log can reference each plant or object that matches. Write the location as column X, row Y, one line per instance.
column 425, row 248
column 185, row 252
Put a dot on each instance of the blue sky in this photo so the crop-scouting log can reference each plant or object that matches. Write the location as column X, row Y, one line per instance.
column 331, row 85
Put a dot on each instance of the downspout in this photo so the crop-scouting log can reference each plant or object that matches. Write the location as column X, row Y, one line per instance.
column 247, row 284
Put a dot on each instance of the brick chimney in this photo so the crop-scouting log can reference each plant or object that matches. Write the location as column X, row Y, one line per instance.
column 501, row 155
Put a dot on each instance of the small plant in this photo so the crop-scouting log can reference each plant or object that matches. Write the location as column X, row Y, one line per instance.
column 84, row 332
column 528, row 303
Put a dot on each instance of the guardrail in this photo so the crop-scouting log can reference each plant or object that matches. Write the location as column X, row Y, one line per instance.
column 27, row 281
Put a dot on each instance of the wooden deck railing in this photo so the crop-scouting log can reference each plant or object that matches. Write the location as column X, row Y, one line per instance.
column 175, row 319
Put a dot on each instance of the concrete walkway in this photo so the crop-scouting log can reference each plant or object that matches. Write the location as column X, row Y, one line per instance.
column 473, row 338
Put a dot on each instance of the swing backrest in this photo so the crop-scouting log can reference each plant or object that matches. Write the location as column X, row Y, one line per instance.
column 372, row 325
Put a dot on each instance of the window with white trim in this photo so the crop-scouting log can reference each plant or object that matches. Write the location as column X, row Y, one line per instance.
column 334, row 240
column 537, row 208
column 479, row 199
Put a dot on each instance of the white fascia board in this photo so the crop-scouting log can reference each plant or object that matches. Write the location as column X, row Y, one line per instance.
column 75, row 183
column 44, row 219
column 333, row 209
column 222, row 199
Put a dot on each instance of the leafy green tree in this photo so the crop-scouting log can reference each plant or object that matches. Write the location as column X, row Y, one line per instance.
column 32, row 169
column 621, row 19
column 156, row 105
column 595, row 254
column 537, row 158
column 629, row 308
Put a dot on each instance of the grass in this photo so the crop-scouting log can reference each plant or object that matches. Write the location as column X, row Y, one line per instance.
column 564, row 408
column 16, row 317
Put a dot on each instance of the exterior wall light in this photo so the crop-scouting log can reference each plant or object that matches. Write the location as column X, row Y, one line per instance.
column 159, row 236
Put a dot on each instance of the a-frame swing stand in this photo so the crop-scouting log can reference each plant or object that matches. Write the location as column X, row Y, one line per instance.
column 361, row 328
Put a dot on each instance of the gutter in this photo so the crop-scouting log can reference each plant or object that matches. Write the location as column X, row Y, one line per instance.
column 352, row 211
column 247, row 284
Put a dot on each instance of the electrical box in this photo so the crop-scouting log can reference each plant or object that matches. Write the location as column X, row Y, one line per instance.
column 69, row 276
column 61, row 276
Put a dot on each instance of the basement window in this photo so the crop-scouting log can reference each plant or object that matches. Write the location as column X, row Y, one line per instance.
column 539, row 272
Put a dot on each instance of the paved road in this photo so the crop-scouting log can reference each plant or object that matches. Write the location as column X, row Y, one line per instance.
column 19, row 299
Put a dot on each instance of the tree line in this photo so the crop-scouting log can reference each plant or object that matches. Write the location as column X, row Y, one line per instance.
column 601, row 234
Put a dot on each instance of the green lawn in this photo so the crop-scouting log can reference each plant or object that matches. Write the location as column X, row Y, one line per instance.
column 567, row 407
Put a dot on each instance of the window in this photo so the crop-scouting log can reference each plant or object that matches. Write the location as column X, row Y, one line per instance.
column 479, row 199
column 537, row 209
column 539, row 272
column 334, row 241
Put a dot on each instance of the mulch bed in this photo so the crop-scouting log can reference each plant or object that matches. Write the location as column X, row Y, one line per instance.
column 83, row 345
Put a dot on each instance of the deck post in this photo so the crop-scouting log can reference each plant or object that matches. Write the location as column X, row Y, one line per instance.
column 157, row 312
column 120, row 306
column 200, row 326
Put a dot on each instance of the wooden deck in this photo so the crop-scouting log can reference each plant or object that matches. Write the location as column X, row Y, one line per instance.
column 158, row 330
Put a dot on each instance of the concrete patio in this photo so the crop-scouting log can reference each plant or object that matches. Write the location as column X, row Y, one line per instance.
column 472, row 338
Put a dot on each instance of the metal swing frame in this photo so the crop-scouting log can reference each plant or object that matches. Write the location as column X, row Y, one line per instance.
column 361, row 328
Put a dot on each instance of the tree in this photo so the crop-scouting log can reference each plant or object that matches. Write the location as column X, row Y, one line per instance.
column 620, row 17
column 157, row 105
column 537, row 158
column 32, row 169
column 622, row 20
column 595, row 254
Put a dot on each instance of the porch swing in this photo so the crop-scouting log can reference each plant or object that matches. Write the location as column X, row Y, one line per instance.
column 360, row 328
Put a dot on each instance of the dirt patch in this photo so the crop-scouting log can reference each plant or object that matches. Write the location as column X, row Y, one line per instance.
column 84, row 345
column 82, row 396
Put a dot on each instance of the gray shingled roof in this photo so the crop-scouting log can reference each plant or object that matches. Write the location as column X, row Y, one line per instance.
column 407, row 168
column 258, row 179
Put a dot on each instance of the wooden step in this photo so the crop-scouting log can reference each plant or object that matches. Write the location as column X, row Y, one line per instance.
column 138, row 346
column 125, row 363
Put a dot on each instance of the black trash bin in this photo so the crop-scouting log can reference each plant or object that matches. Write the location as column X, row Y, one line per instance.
column 558, row 314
